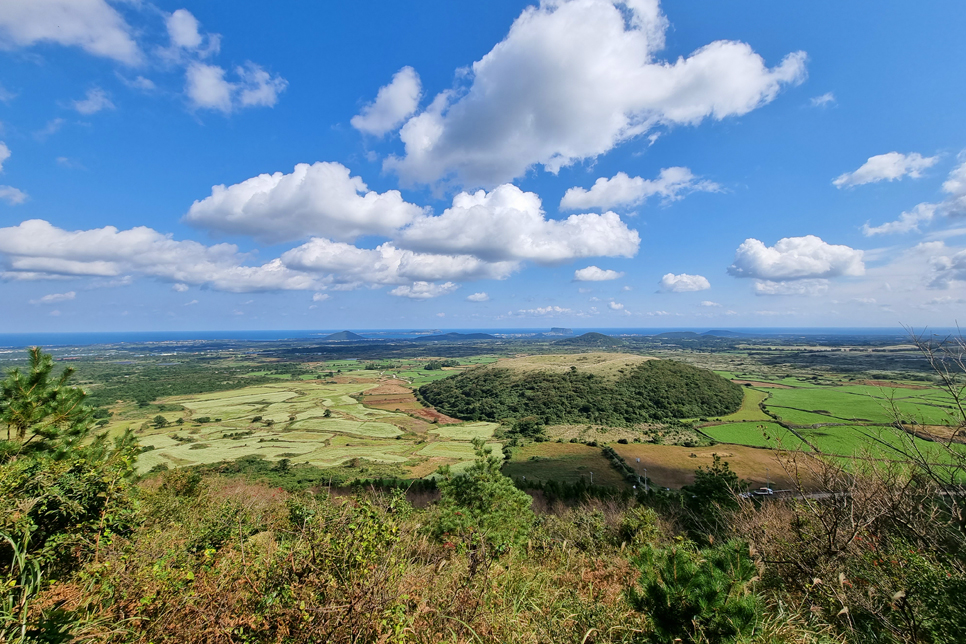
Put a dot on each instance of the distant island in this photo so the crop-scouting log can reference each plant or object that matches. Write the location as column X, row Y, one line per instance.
column 557, row 330
column 343, row 336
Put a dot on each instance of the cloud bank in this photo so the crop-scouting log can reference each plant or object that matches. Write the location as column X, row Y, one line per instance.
column 571, row 80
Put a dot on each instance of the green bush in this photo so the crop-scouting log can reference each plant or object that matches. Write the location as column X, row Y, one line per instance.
column 698, row 595
column 481, row 508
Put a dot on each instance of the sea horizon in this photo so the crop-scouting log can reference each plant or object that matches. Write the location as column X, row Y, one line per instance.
column 89, row 338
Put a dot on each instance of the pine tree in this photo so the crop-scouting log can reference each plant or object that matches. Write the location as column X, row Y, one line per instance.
column 41, row 411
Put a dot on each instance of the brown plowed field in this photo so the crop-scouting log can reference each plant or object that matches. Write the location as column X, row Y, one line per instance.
column 391, row 396
column 432, row 414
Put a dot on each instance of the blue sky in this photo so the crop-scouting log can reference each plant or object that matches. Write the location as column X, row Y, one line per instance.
column 576, row 163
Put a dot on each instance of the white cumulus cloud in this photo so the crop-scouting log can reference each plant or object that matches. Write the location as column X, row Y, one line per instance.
column 4, row 154
column 40, row 250
column 621, row 190
column 319, row 199
column 12, row 195
column 908, row 221
column 93, row 25
column 541, row 311
column 955, row 186
column 207, row 87
column 183, row 30
column 953, row 205
column 478, row 297
column 508, row 224
column 594, row 274
column 349, row 265
column 793, row 258
column 54, row 298
column 320, row 297
column 394, row 102
column 424, row 290
column 571, row 80
column 180, row 288
column 95, row 101
column 824, row 100
column 886, row 167
column 710, row 304
column 684, row 283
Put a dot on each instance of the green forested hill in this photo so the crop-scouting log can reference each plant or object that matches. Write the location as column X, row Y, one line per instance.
column 652, row 391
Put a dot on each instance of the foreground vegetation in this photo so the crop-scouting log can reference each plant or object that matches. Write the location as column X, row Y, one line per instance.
column 94, row 547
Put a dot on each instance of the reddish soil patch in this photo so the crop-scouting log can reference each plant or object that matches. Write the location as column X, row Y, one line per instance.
column 391, row 403
column 673, row 466
column 890, row 385
column 390, row 397
column 389, row 389
column 764, row 385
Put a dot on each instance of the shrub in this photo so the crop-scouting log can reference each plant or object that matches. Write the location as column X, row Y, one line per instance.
column 698, row 595
column 482, row 509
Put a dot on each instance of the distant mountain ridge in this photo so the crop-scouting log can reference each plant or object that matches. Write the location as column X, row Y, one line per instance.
column 591, row 339
column 342, row 336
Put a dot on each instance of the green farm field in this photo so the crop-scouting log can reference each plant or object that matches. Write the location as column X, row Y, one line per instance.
column 313, row 422
column 755, row 434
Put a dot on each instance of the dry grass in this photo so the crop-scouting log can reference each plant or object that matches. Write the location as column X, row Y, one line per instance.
column 673, row 466
column 608, row 365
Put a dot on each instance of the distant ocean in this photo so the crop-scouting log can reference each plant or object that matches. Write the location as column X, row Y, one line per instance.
column 19, row 340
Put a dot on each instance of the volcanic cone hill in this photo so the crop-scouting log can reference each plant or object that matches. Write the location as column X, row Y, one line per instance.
column 603, row 388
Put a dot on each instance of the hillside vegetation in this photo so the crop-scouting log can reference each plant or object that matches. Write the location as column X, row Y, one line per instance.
column 652, row 390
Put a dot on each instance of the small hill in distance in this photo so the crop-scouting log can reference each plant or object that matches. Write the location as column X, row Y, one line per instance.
column 609, row 389
column 343, row 336
column 455, row 337
column 591, row 339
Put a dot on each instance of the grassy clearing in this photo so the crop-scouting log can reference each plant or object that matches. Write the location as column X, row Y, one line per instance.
column 563, row 462
column 457, row 450
column 755, row 434
column 465, row 431
column 673, row 467
column 749, row 409
column 608, row 365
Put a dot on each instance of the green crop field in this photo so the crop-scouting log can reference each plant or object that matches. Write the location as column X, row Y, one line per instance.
column 864, row 403
column 755, row 434
column 465, row 431
column 292, row 425
column 749, row 407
